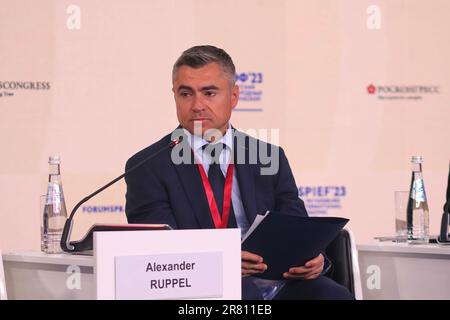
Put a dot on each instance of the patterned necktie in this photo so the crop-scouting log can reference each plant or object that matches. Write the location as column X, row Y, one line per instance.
column 217, row 179
column 215, row 175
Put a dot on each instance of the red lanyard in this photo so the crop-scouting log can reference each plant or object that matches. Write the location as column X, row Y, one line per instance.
column 219, row 222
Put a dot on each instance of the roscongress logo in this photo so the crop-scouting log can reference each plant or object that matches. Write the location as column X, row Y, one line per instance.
column 11, row 88
column 399, row 92
column 371, row 89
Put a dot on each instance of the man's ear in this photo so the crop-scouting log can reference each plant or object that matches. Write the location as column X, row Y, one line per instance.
column 234, row 96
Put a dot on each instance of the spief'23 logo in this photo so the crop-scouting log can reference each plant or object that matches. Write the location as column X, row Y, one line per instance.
column 249, row 77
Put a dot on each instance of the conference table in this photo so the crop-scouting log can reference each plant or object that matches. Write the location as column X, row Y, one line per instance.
column 392, row 270
column 38, row 276
column 388, row 271
column 119, row 269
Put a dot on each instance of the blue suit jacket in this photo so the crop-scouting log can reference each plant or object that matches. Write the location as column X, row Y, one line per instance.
column 162, row 192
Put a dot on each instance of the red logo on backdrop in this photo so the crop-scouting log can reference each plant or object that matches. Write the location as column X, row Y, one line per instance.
column 400, row 92
column 371, row 89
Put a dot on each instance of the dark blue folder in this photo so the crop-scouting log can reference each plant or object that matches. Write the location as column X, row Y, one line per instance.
column 286, row 241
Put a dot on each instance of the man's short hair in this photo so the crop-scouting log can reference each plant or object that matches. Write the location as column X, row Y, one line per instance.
column 199, row 56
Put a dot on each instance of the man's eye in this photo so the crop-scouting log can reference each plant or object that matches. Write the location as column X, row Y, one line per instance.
column 185, row 94
column 210, row 93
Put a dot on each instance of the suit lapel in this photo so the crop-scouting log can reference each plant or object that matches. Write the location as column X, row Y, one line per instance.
column 246, row 180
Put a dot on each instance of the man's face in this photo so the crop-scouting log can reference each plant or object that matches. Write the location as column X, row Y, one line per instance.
column 205, row 96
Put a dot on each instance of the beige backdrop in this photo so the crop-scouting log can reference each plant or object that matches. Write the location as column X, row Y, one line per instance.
column 304, row 67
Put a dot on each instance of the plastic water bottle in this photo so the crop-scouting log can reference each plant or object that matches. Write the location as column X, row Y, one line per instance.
column 417, row 218
column 55, row 213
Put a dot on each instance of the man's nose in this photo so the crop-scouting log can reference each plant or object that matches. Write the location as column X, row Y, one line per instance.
column 199, row 103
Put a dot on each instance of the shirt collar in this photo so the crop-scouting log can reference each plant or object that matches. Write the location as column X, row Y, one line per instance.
column 197, row 142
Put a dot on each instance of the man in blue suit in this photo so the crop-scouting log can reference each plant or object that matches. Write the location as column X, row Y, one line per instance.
column 242, row 175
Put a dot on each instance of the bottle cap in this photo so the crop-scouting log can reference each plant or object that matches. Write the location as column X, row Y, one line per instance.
column 416, row 159
column 54, row 160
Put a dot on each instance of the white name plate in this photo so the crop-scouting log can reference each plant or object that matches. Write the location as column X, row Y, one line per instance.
column 169, row 276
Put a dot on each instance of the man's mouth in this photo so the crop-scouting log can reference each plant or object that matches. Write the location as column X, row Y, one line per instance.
column 199, row 119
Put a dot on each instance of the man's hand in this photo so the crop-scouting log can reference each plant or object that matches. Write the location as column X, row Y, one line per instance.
column 311, row 269
column 251, row 264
